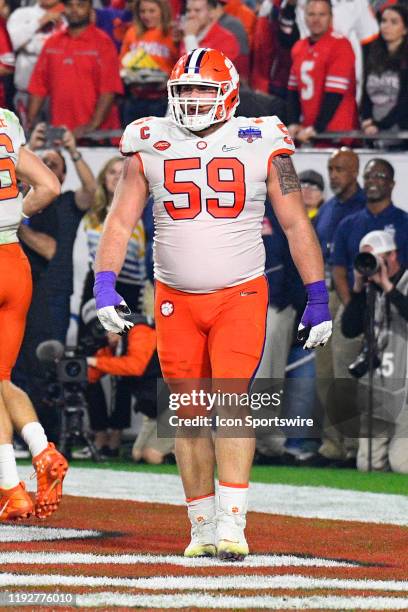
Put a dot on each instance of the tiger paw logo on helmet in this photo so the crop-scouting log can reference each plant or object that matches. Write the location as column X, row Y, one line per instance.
column 203, row 68
column 166, row 308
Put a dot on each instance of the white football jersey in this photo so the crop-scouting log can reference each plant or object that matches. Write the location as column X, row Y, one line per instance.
column 209, row 197
column 11, row 139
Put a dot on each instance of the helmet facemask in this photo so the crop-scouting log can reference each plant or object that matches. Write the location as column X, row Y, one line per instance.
column 185, row 111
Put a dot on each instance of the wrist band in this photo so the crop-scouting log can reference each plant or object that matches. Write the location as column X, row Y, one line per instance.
column 76, row 157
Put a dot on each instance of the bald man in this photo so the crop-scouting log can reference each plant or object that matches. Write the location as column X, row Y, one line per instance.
column 348, row 197
column 332, row 361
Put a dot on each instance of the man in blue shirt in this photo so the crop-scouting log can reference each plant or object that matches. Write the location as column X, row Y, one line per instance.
column 378, row 214
column 348, row 197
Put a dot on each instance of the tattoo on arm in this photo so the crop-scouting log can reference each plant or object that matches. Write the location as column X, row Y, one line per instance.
column 288, row 179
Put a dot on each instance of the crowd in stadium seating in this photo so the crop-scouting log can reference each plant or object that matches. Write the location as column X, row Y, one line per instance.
column 90, row 67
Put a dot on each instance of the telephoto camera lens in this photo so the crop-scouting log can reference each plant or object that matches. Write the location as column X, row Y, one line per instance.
column 367, row 264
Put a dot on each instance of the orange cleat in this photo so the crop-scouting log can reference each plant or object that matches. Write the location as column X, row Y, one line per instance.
column 51, row 468
column 15, row 504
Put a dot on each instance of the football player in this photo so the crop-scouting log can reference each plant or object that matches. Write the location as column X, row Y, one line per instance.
column 209, row 174
column 16, row 410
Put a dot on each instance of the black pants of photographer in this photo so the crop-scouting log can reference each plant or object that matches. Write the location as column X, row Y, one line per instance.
column 119, row 417
column 29, row 373
column 101, row 419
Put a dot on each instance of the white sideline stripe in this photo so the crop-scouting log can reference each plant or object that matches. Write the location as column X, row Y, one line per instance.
column 251, row 561
column 243, row 603
column 183, row 583
column 305, row 502
column 22, row 533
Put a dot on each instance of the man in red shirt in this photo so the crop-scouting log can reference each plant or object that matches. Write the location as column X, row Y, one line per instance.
column 201, row 29
column 79, row 70
column 322, row 81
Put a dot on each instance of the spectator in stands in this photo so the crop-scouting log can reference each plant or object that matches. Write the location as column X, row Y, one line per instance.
column 201, row 29
column 242, row 12
column 79, row 70
column 234, row 25
column 321, row 94
column 333, row 359
column 353, row 19
column 312, row 184
column 148, row 55
column 390, row 410
column 379, row 213
column 272, row 50
column 29, row 27
column 384, row 105
column 114, row 21
column 70, row 207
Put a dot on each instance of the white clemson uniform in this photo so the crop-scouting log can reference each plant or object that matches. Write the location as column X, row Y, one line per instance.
column 11, row 200
column 15, row 272
column 209, row 197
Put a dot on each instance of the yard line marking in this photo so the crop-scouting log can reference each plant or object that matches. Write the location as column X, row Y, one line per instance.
column 204, row 582
column 28, row 533
column 243, row 603
column 302, row 501
column 263, row 561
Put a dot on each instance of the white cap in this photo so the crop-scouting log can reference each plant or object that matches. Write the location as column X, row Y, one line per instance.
column 380, row 242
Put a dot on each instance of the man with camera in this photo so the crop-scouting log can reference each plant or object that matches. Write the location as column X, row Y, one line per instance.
column 377, row 270
column 133, row 358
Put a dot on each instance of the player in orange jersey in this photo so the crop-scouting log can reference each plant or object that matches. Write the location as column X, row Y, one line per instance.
column 16, row 410
column 209, row 174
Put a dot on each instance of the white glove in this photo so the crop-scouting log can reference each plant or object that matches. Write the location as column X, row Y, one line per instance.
column 318, row 335
column 112, row 319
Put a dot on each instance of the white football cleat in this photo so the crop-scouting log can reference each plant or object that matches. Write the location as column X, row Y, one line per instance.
column 231, row 542
column 202, row 536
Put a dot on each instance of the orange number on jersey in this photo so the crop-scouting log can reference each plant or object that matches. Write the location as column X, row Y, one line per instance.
column 7, row 164
column 284, row 129
column 235, row 185
column 171, row 166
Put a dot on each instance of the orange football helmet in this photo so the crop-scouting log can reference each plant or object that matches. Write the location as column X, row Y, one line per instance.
column 203, row 68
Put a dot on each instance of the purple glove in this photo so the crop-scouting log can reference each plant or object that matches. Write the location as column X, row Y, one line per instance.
column 317, row 309
column 104, row 290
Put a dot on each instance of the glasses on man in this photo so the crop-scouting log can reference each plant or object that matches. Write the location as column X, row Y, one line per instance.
column 376, row 176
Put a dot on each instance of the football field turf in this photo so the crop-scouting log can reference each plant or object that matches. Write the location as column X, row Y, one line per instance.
column 320, row 540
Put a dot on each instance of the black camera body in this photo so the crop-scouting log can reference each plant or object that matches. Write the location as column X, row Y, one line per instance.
column 361, row 365
column 367, row 264
column 72, row 368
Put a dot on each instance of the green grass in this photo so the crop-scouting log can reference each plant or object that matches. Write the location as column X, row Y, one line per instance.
column 377, row 482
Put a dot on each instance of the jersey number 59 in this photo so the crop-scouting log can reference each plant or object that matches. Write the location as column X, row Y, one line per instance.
column 235, row 185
